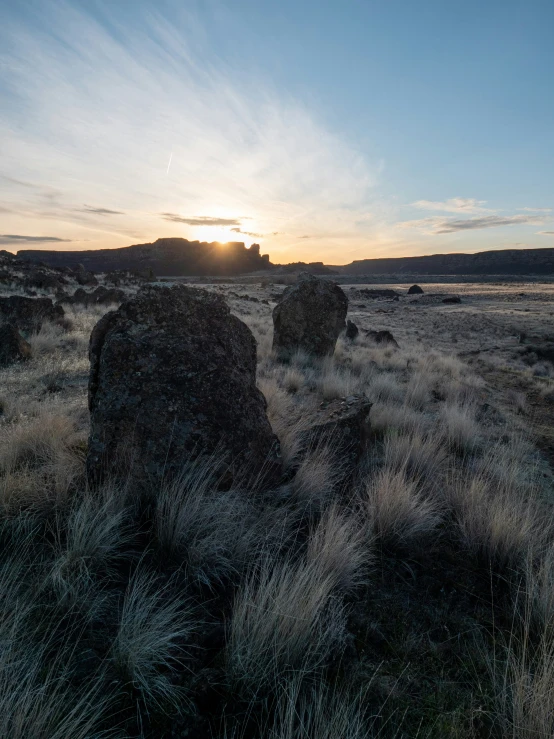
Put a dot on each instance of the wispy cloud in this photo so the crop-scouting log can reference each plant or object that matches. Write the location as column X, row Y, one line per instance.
column 238, row 230
column 537, row 210
column 19, row 239
column 453, row 205
column 200, row 220
column 101, row 211
column 236, row 142
column 545, row 233
column 436, row 225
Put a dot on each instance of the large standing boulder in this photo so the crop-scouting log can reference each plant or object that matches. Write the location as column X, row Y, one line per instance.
column 310, row 316
column 415, row 290
column 28, row 314
column 172, row 378
column 13, row 347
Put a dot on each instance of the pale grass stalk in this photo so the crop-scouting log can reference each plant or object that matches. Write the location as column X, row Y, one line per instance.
column 38, row 699
column 385, row 387
column 154, row 629
column 336, row 382
column 460, row 429
column 523, row 665
column 39, row 460
column 47, row 339
column 284, row 621
column 206, row 529
column 317, row 476
column 90, row 539
column 418, row 391
column 322, row 711
column 338, row 548
column 396, row 511
column 497, row 522
column 393, row 418
column 421, row 455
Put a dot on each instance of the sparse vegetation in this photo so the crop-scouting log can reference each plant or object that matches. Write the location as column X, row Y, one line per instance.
column 411, row 598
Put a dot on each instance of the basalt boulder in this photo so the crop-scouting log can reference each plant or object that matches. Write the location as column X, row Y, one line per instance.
column 28, row 314
column 344, row 426
column 173, row 378
column 13, row 347
column 415, row 290
column 310, row 316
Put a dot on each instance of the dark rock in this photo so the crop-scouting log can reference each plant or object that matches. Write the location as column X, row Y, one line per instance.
column 173, row 378
column 344, row 425
column 101, row 296
column 415, row 290
column 310, row 316
column 44, row 280
column 382, row 337
column 28, row 314
column 452, row 299
column 85, row 278
column 13, row 347
column 376, row 294
column 351, row 330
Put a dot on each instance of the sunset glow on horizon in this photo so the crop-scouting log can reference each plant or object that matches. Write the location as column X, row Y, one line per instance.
column 237, row 122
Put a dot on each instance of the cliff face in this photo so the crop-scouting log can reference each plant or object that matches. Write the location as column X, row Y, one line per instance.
column 171, row 257
column 505, row 262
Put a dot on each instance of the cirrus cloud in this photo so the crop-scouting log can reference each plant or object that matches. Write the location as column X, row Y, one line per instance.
column 19, row 239
column 437, row 225
column 454, row 205
column 200, row 220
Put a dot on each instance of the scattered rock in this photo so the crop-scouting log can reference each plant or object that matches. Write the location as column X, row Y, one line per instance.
column 351, row 330
column 415, row 290
column 310, row 316
column 45, row 280
column 28, row 314
column 382, row 337
column 172, row 378
column 85, row 278
column 344, row 424
column 375, row 294
column 101, row 296
column 13, row 347
column 451, row 299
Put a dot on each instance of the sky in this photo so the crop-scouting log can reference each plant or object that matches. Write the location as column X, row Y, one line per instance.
column 324, row 130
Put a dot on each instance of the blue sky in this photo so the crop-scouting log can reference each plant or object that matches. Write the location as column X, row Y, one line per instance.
column 323, row 130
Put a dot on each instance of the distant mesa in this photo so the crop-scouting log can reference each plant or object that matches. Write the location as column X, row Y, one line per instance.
column 172, row 257
column 502, row 262
column 176, row 257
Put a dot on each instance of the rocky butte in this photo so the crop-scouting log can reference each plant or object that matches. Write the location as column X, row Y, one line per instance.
column 165, row 257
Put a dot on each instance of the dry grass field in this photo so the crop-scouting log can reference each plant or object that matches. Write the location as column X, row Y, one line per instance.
column 415, row 599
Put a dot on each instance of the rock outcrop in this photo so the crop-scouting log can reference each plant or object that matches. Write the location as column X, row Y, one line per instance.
column 344, row 425
column 165, row 257
column 310, row 316
column 172, row 378
column 415, row 290
column 351, row 330
column 101, row 296
column 452, row 300
column 28, row 314
column 13, row 347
